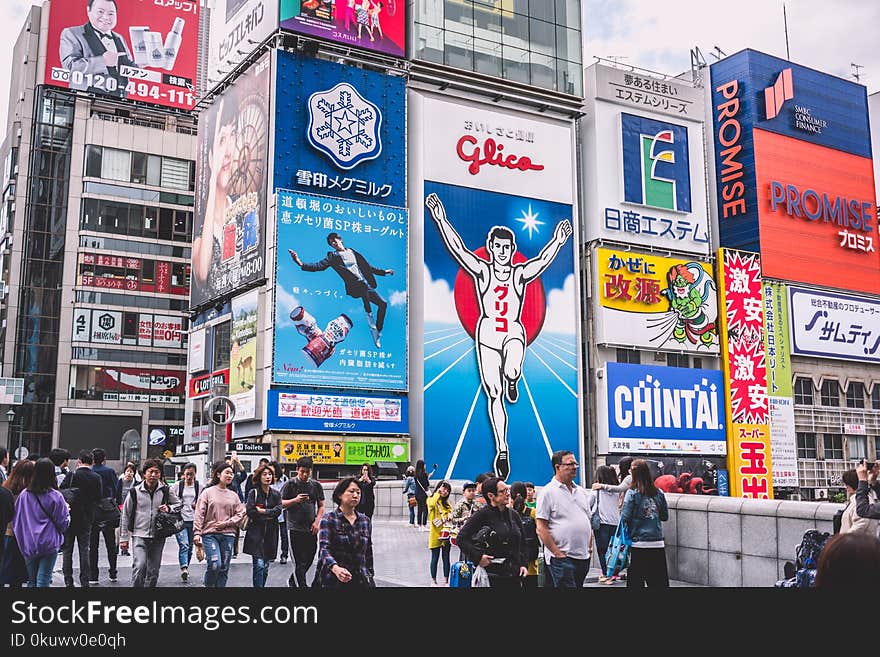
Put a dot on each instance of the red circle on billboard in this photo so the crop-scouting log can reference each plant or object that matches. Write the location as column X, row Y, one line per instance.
column 534, row 308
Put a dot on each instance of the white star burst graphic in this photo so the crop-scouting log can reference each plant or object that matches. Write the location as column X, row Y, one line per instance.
column 530, row 222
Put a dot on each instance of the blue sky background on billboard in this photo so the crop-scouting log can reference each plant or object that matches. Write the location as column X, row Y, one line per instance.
column 823, row 35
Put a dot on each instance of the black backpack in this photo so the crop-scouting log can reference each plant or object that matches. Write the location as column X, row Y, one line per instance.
column 70, row 493
column 837, row 520
column 530, row 537
column 180, row 489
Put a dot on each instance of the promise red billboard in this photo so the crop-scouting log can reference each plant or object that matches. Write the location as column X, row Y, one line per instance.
column 142, row 50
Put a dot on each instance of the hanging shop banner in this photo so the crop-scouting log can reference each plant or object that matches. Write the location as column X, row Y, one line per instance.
column 655, row 302
column 311, row 411
column 112, row 327
column 243, row 355
column 834, row 326
column 200, row 386
column 663, row 409
column 783, row 439
column 237, row 28
column 232, row 161
column 142, row 50
column 500, row 309
column 321, row 451
column 340, row 131
column 390, row 451
column 341, row 294
column 197, row 353
column 377, row 25
column 743, row 357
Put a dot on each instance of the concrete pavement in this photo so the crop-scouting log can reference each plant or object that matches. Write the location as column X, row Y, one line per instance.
column 401, row 559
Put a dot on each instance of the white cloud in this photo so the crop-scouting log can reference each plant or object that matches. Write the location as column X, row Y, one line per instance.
column 562, row 311
column 827, row 36
column 439, row 301
column 12, row 17
column 398, row 298
column 285, row 302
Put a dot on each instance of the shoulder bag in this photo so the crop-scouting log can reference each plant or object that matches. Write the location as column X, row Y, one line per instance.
column 167, row 523
column 48, row 515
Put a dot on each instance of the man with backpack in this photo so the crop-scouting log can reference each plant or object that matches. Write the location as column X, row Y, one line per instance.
column 187, row 490
column 106, row 517
column 138, row 524
column 82, row 492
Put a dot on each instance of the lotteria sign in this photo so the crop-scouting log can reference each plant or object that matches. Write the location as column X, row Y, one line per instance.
column 201, row 386
column 665, row 409
column 794, row 173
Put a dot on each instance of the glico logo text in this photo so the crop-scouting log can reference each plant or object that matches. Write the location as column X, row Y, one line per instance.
column 656, row 166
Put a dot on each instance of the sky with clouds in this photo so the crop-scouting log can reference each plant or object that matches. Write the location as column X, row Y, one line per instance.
column 828, row 35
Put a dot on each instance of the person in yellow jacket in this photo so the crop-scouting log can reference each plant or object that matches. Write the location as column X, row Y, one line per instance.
column 439, row 513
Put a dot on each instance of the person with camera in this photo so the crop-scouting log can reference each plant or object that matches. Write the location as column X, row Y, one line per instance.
column 493, row 538
column 137, row 526
column 216, row 522
column 867, row 473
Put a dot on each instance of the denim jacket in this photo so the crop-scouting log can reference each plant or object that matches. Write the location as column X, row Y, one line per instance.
column 643, row 515
column 409, row 486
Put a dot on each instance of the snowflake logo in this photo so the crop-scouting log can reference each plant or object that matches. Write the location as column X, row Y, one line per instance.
column 345, row 126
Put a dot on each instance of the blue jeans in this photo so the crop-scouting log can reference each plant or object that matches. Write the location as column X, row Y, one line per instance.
column 435, row 558
column 412, row 514
column 40, row 570
column 603, row 540
column 568, row 573
column 261, row 572
column 218, row 553
column 185, row 544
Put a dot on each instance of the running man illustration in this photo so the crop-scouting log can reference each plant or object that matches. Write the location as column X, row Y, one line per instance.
column 359, row 277
column 500, row 337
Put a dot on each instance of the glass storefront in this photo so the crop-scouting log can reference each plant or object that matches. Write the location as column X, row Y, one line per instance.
column 536, row 42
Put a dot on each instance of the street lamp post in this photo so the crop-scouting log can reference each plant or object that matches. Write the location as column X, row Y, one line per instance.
column 10, row 417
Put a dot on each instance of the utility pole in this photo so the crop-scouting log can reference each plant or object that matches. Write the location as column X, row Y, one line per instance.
column 856, row 72
column 785, row 22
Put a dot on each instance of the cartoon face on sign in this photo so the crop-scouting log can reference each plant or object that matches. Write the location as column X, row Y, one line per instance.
column 345, row 126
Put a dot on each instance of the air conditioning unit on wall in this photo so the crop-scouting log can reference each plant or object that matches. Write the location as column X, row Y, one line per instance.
column 821, row 493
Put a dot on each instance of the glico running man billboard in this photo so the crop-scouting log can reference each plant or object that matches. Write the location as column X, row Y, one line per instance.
column 340, row 131
column 377, row 25
column 794, row 171
column 655, row 302
column 229, row 229
column 341, row 294
column 500, row 309
column 138, row 50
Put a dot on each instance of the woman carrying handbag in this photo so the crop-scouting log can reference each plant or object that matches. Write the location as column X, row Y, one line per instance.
column 644, row 509
column 263, row 508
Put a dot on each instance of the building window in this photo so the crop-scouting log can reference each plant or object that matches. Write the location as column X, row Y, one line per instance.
column 698, row 363
column 677, row 360
column 830, row 395
column 875, row 397
column 833, row 447
column 221, row 345
column 806, row 445
column 628, row 356
column 803, row 391
column 855, row 395
column 857, row 447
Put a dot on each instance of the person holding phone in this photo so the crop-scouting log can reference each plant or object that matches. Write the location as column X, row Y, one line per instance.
column 423, row 483
column 303, row 500
column 263, row 508
column 867, row 473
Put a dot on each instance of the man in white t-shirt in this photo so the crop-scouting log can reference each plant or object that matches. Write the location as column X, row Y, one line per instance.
column 563, row 524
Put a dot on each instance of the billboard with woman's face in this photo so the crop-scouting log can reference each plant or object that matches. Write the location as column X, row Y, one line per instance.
column 231, row 188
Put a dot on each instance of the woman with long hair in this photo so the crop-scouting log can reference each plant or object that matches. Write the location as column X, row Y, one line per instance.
column 409, row 489
column 280, row 480
column 644, row 509
column 13, row 570
column 423, row 483
column 609, row 515
column 367, row 484
column 519, row 503
column 41, row 518
column 263, row 508
column 439, row 513
column 219, row 513
column 345, row 557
